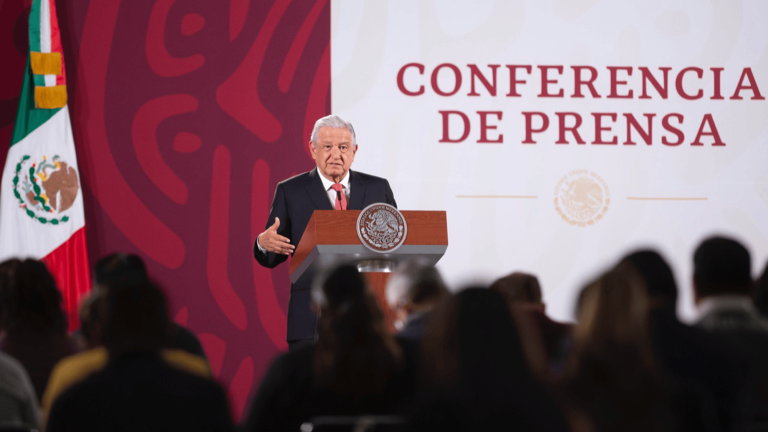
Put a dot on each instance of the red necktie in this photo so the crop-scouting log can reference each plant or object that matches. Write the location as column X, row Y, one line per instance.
column 341, row 199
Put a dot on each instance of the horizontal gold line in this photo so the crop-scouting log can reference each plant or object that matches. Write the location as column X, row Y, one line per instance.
column 496, row 196
column 666, row 199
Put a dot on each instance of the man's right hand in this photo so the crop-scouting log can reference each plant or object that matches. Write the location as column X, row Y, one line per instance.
column 273, row 242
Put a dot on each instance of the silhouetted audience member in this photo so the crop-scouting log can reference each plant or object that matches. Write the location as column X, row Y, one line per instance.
column 120, row 268
column 545, row 341
column 519, row 288
column 613, row 381
column 722, row 285
column 474, row 372
column 18, row 402
column 138, row 389
column 74, row 369
column 30, row 315
column 412, row 291
column 761, row 293
column 355, row 367
column 689, row 354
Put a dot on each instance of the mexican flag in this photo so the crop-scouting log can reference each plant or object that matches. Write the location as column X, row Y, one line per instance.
column 41, row 202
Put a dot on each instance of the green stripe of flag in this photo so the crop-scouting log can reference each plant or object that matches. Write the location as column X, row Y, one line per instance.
column 34, row 35
column 34, row 26
column 29, row 118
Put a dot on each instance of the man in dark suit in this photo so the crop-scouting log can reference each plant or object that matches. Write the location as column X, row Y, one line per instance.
column 690, row 354
column 331, row 185
column 722, row 288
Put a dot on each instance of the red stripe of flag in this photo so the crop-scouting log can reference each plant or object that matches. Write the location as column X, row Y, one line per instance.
column 56, row 42
column 68, row 264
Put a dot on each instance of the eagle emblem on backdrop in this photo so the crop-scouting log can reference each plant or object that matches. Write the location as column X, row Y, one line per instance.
column 381, row 228
column 582, row 198
column 45, row 188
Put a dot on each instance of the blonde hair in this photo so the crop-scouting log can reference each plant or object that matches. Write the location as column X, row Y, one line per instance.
column 612, row 367
column 614, row 312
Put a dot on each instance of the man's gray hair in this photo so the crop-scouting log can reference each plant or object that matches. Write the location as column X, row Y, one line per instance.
column 415, row 282
column 334, row 122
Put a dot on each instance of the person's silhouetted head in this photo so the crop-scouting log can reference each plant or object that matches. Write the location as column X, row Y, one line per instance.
column 657, row 275
column 471, row 343
column 519, row 288
column 134, row 319
column 114, row 270
column 761, row 292
column 354, row 352
column 613, row 379
column 120, row 268
column 474, row 365
column 342, row 286
column 721, row 266
column 613, row 313
column 29, row 298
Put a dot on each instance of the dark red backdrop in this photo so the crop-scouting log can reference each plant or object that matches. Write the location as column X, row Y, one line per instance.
column 186, row 114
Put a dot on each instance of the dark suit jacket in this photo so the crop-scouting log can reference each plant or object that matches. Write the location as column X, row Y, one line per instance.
column 294, row 202
column 693, row 356
column 745, row 333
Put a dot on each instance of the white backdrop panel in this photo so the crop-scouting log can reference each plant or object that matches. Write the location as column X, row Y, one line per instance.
column 520, row 228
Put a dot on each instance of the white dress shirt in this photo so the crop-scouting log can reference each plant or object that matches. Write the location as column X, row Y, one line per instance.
column 717, row 303
column 332, row 193
column 730, row 312
column 331, row 196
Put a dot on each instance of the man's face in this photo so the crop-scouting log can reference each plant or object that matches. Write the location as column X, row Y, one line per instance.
column 334, row 153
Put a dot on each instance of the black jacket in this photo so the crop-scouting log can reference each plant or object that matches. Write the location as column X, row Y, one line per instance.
column 294, row 202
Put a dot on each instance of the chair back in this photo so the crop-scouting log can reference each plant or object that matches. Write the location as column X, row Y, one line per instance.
column 364, row 423
column 16, row 427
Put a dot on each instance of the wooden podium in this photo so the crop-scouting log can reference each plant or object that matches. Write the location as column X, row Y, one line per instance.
column 331, row 238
